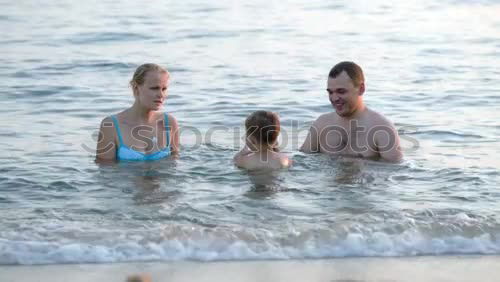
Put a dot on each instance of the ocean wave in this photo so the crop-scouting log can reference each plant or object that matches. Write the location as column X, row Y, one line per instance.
column 208, row 248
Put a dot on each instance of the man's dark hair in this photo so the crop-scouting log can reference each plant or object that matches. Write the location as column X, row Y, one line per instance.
column 352, row 69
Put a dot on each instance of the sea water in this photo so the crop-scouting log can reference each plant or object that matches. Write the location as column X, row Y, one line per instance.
column 431, row 67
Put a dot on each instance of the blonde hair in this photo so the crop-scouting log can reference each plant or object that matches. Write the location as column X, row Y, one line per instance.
column 142, row 70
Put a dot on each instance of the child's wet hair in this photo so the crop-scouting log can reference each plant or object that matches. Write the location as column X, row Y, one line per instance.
column 263, row 126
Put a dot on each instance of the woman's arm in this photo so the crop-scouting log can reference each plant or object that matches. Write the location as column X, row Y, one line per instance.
column 106, row 147
column 174, row 136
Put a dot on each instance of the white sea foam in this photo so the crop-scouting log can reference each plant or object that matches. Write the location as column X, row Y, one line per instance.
column 211, row 248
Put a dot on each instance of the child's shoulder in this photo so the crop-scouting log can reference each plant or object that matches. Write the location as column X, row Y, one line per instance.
column 282, row 160
column 276, row 160
column 243, row 160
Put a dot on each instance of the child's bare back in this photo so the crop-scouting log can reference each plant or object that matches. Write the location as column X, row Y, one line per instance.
column 260, row 151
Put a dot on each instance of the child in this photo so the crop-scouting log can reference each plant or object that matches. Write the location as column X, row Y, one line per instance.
column 260, row 151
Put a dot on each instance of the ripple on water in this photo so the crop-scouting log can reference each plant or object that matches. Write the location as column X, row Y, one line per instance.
column 91, row 65
column 42, row 92
column 446, row 135
column 326, row 7
column 90, row 38
column 61, row 186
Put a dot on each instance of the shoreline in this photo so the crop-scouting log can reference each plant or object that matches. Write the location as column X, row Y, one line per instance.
column 424, row 268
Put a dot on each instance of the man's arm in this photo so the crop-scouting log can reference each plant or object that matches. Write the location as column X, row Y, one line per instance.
column 388, row 145
column 311, row 144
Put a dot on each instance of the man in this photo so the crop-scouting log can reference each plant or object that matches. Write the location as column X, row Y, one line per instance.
column 352, row 130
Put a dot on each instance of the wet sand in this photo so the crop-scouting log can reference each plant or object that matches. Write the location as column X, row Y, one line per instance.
column 451, row 268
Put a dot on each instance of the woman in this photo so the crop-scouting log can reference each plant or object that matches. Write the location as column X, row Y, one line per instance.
column 141, row 132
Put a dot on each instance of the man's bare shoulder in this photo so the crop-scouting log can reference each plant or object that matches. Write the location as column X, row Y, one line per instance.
column 326, row 120
column 377, row 118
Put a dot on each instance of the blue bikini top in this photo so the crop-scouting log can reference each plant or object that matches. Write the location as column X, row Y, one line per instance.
column 125, row 153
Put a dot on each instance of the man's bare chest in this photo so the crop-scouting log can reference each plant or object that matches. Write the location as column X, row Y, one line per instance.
column 352, row 139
